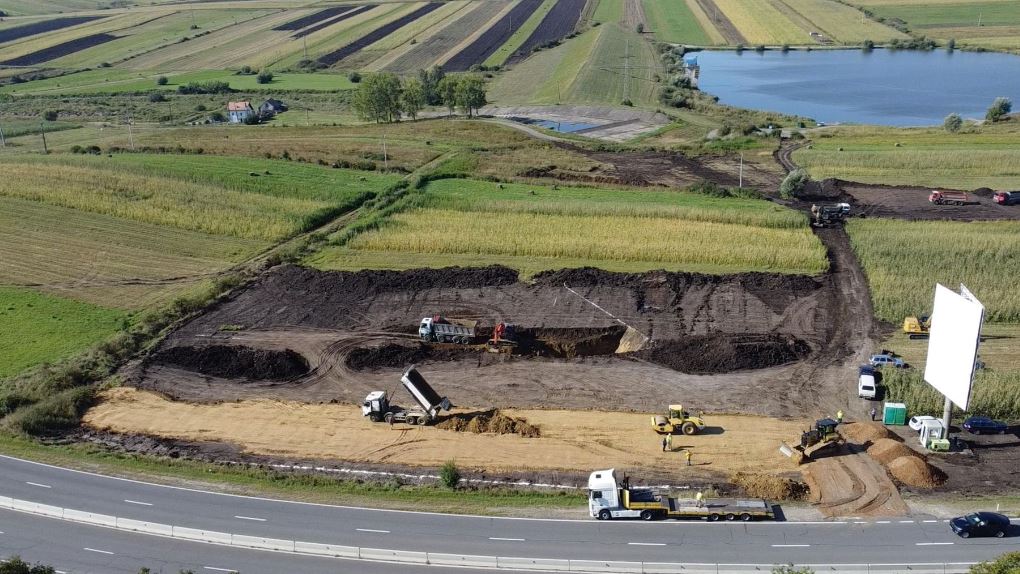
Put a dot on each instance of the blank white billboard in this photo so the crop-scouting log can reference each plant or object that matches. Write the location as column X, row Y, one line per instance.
column 953, row 344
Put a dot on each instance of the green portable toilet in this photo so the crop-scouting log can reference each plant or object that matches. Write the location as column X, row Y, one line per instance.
column 894, row 414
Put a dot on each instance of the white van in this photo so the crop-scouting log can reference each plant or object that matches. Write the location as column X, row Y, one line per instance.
column 866, row 386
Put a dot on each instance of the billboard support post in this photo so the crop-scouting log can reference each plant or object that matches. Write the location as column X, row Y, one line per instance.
column 947, row 415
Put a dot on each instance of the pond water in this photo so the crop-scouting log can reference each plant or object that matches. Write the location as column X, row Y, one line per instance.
column 888, row 87
column 557, row 126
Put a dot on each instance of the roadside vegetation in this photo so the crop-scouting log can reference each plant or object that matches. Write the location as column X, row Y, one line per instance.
column 995, row 394
column 534, row 228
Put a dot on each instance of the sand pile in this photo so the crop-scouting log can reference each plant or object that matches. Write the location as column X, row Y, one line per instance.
column 914, row 471
column 494, row 421
column 886, row 450
column 769, row 487
column 864, row 432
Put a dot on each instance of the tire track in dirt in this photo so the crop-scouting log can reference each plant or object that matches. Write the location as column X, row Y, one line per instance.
column 725, row 26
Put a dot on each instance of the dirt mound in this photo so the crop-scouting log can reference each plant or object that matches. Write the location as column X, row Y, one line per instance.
column 235, row 362
column 865, row 432
column 397, row 355
column 568, row 343
column 494, row 421
column 914, row 471
column 369, row 282
column 984, row 192
column 886, row 450
column 724, row 352
column 825, row 190
column 769, row 487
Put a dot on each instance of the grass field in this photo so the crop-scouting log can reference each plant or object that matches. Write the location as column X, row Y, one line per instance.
column 37, row 328
column 841, row 23
column 547, row 77
column 988, row 156
column 608, row 79
column 904, row 259
column 761, row 23
column 991, row 24
column 673, row 21
column 534, row 228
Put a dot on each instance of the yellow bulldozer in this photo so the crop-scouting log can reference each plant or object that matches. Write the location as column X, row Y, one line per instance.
column 917, row 327
column 823, row 437
column 677, row 420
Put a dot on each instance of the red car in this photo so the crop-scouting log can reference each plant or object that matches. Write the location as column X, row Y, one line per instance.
column 1007, row 197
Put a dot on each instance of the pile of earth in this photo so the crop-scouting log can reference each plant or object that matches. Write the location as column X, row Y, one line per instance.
column 769, row 487
column 825, row 190
column 865, row 433
column 886, row 450
column 905, row 464
column 491, row 421
column 915, row 471
column 235, row 362
column 725, row 352
column 402, row 355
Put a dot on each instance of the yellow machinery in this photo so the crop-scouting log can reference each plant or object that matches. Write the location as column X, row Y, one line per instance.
column 822, row 437
column 677, row 420
column 917, row 328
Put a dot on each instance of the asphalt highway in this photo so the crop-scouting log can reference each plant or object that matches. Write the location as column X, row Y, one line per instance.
column 851, row 541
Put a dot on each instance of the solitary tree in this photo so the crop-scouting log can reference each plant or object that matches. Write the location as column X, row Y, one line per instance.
column 793, row 183
column 413, row 97
column 162, row 81
column 264, row 77
column 470, row 94
column 378, row 98
column 952, row 123
column 999, row 109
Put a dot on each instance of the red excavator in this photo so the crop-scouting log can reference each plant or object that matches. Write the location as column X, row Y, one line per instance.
column 503, row 339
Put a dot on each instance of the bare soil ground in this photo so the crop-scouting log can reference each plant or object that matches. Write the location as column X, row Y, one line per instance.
column 574, row 322
column 676, row 170
column 570, row 440
column 988, row 466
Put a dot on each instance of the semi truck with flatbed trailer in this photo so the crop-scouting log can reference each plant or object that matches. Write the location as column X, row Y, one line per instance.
column 377, row 406
column 609, row 499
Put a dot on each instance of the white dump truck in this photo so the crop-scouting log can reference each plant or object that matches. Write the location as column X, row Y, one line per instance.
column 377, row 406
column 608, row 499
column 442, row 330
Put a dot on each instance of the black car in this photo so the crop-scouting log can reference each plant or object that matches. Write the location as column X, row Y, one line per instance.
column 980, row 524
column 866, row 370
column 978, row 425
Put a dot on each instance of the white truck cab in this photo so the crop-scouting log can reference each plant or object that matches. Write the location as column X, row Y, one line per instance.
column 604, row 496
column 375, row 406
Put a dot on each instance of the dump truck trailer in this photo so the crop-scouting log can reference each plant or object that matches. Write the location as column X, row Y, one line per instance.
column 441, row 330
column 377, row 406
column 609, row 499
column 942, row 197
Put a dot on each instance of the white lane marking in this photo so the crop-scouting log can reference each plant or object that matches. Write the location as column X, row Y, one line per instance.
column 934, row 544
column 930, row 521
column 882, row 521
column 99, row 551
column 790, row 545
column 250, row 518
column 862, row 522
column 60, row 572
column 372, row 530
column 219, row 569
column 506, row 539
column 39, row 485
column 646, row 543
column 138, row 502
column 906, row 522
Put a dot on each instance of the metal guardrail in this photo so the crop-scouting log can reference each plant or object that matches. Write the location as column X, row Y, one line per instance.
column 442, row 559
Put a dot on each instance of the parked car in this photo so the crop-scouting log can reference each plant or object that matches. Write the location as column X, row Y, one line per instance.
column 917, row 421
column 1007, row 197
column 978, row 425
column 883, row 360
column 980, row 524
column 866, row 387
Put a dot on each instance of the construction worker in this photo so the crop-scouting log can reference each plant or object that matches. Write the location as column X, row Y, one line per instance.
column 669, row 442
column 663, row 444
column 698, row 498
column 688, row 454
column 874, row 412
column 839, row 416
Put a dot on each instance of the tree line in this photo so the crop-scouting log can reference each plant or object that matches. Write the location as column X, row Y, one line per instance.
column 385, row 97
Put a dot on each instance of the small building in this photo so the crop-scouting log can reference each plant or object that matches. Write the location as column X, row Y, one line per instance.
column 239, row 112
column 271, row 107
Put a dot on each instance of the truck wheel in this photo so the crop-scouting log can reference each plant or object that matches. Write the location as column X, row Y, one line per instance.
column 745, row 517
column 604, row 514
column 713, row 517
column 374, row 417
column 422, row 421
column 688, row 428
column 388, row 418
column 411, row 420
column 730, row 516
column 647, row 515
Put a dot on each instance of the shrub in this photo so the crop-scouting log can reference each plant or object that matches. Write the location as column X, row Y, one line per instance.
column 952, row 123
column 264, row 77
column 162, row 81
column 791, row 569
column 15, row 565
column 157, row 97
column 999, row 109
column 640, row 28
column 245, row 71
column 354, row 77
column 1008, row 563
column 868, row 46
column 50, row 115
column 449, row 474
column 217, row 117
column 214, row 87
column 793, row 183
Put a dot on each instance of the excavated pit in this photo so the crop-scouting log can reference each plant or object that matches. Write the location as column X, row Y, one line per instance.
column 235, row 362
column 723, row 352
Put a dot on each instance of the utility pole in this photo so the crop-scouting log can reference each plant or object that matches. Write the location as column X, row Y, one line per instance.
column 3, row 142
column 385, row 157
column 42, row 132
column 626, row 71
column 741, row 184
column 170, row 107
column 305, row 41
column 131, row 137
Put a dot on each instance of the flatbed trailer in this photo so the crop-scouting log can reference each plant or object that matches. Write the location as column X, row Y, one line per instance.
column 608, row 499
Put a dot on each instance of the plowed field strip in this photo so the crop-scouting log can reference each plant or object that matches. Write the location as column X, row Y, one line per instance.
column 54, row 52
column 446, row 38
column 12, row 34
column 313, row 18
column 559, row 22
column 377, row 34
column 493, row 38
column 722, row 23
column 425, row 32
column 328, row 23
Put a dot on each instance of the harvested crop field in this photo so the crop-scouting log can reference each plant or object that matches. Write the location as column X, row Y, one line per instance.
column 479, row 50
column 567, row 441
column 377, row 34
column 578, row 331
column 18, row 32
column 60, row 50
column 314, row 18
column 427, row 53
column 334, row 20
column 557, row 24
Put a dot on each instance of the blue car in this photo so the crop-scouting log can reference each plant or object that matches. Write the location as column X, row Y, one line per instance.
column 978, row 425
column 980, row 524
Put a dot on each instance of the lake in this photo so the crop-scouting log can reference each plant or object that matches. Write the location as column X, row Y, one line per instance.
column 887, row 87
